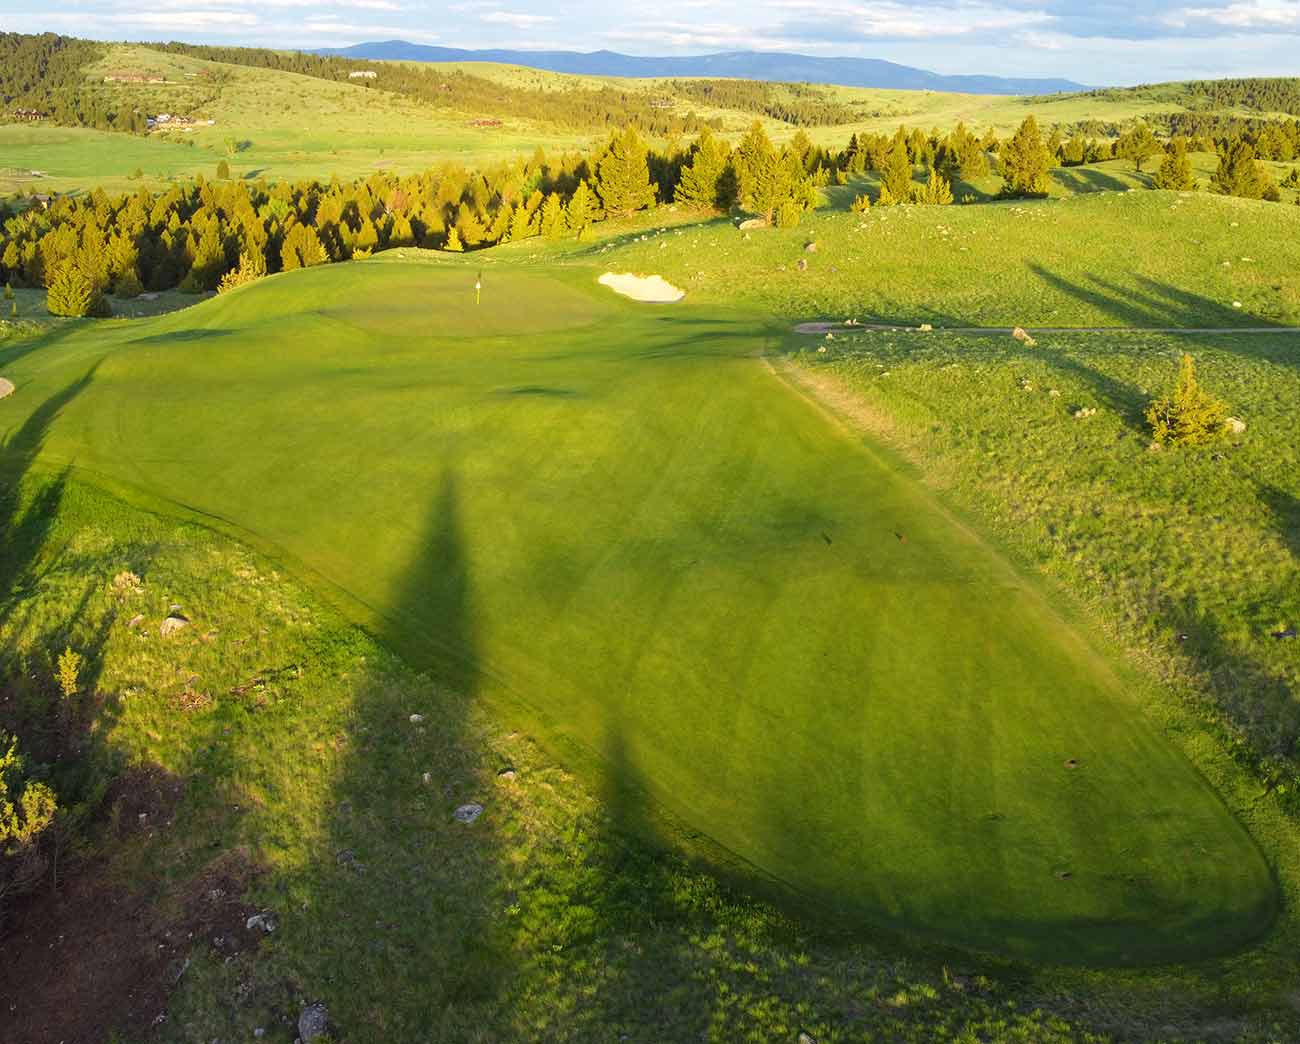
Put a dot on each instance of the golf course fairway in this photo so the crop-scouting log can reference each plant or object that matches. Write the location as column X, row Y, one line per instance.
column 617, row 524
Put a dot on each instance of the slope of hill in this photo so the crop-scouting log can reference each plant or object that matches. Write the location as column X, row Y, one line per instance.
column 800, row 68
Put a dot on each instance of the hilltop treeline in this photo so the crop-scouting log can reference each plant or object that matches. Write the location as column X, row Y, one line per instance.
column 46, row 73
column 577, row 108
column 1254, row 94
column 799, row 104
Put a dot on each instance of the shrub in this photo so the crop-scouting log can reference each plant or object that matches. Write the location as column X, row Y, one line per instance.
column 27, row 808
column 937, row 192
column 223, row 171
column 128, row 285
column 9, row 292
column 1190, row 416
column 69, row 671
column 73, row 293
column 252, row 266
column 788, row 214
column 861, row 204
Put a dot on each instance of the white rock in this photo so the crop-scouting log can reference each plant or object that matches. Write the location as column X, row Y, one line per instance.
column 1235, row 425
column 416, row 719
column 6, row 388
column 172, row 625
column 468, row 813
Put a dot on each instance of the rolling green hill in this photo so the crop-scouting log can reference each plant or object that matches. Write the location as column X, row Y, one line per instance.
column 627, row 533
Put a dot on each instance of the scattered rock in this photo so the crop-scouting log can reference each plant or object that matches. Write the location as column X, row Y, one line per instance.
column 348, row 858
column 1290, row 632
column 810, row 248
column 1053, row 393
column 802, row 265
column 427, row 778
column 264, row 922
column 417, row 719
column 1024, row 338
column 806, row 1038
column 468, row 813
column 1071, row 763
column 1234, row 425
column 1085, row 411
column 752, row 223
column 926, row 328
column 172, row 625
column 135, row 621
column 6, row 388
column 313, row 1023
column 1236, row 304
column 507, row 774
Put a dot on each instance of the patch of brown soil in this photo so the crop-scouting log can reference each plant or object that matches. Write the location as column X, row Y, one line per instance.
column 97, row 956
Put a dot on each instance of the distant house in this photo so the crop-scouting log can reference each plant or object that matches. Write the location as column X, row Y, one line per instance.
column 485, row 123
column 28, row 115
column 134, row 76
column 363, row 74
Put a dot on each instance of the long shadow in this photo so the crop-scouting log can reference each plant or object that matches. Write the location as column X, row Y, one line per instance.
column 1088, row 179
column 406, row 916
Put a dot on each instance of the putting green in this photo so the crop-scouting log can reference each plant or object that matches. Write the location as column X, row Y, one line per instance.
column 614, row 521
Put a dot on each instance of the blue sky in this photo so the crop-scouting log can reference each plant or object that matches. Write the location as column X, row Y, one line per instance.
column 1106, row 41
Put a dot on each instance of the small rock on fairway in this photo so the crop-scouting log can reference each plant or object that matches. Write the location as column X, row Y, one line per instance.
column 468, row 813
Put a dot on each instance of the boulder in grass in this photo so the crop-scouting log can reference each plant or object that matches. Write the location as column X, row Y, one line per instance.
column 752, row 223
column 468, row 813
column 1023, row 337
column 172, row 625
column 6, row 388
column 313, row 1023
column 1234, row 426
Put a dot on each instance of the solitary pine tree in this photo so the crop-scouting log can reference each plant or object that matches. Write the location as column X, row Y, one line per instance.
column 1191, row 416
column 1137, row 145
column 701, row 183
column 623, row 175
column 1239, row 173
column 1025, row 162
column 1175, row 171
column 453, row 242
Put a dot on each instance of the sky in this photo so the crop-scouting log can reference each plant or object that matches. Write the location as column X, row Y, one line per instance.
column 1103, row 42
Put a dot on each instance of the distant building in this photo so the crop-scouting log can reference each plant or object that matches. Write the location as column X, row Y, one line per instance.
column 363, row 74
column 28, row 115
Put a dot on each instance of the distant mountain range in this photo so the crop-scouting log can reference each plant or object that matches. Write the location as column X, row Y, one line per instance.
column 746, row 65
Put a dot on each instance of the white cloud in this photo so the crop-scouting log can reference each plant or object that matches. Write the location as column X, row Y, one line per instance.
column 1269, row 15
column 515, row 20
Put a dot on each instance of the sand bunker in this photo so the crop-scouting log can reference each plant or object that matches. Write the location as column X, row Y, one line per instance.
column 642, row 288
column 6, row 388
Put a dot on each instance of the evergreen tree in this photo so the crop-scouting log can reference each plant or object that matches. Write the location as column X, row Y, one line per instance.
column 581, row 210
column 756, row 164
column 223, row 171
column 623, row 175
column 897, row 175
column 453, row 243
column 1239, row 173
column 1190, row 416
column 73, row 293
column 1025, row 162
column 1137, row 145
column 936, row 192
column 1175, row 171
column 552, row 224
column 701, row 183
column 301, row 249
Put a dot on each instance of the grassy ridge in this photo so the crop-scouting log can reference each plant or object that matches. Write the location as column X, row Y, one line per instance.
column 720, row 601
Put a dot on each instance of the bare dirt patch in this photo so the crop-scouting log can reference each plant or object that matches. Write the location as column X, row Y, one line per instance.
column 97, row 956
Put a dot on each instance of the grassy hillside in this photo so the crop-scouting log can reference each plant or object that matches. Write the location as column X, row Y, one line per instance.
column 1100, row 259
column 598, row 598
